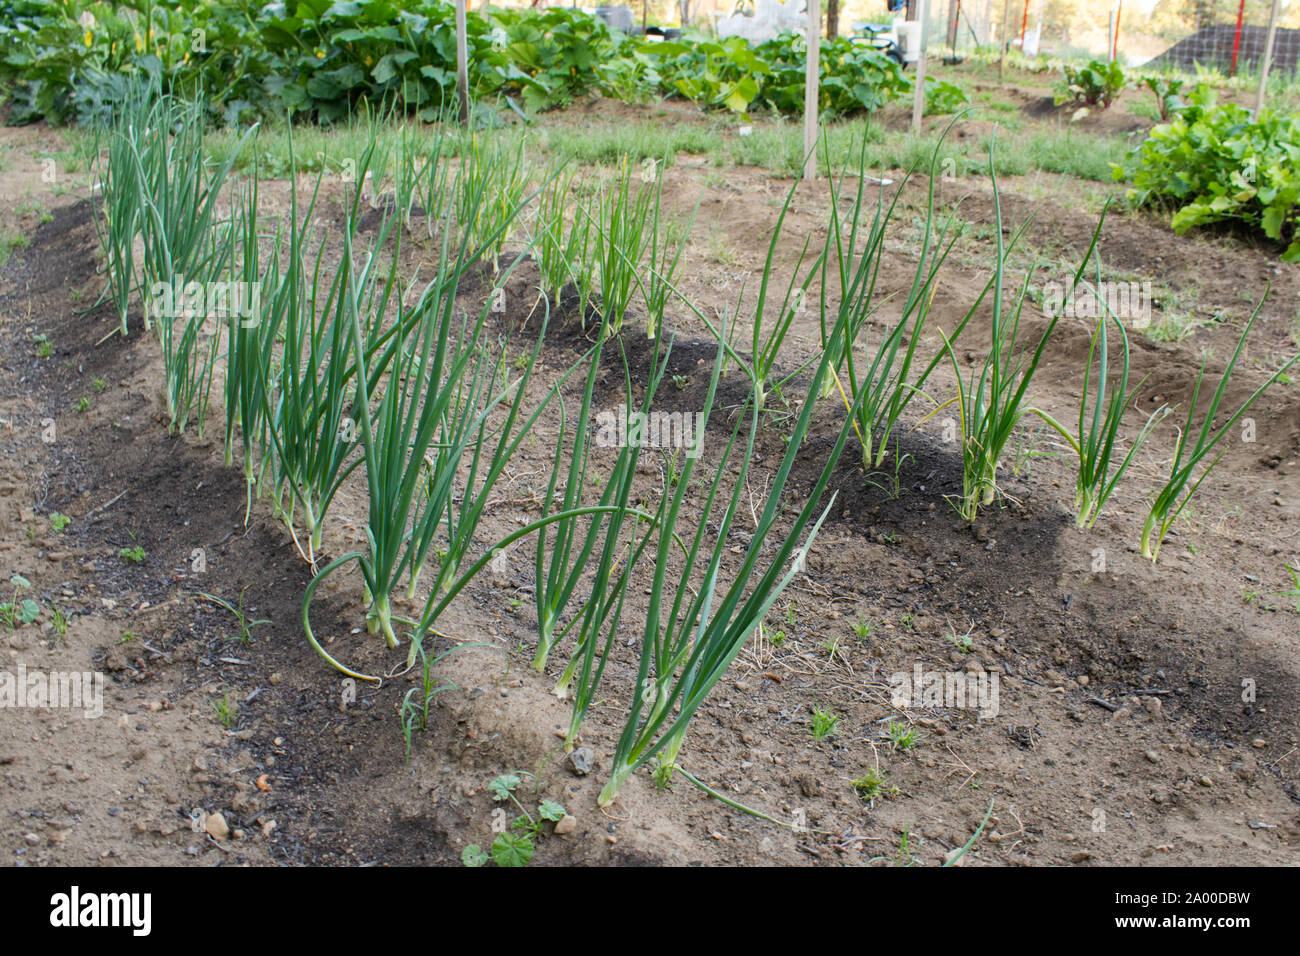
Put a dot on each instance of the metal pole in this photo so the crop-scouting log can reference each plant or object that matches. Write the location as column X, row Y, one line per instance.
column 1236, row 38
column 918, row 99
column 1114, row 49
column 811, row 86
column 1268, row 55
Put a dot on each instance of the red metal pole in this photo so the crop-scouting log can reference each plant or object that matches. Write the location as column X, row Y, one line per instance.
column 1114, row 50
column 1024, row 25
column 1236, row 40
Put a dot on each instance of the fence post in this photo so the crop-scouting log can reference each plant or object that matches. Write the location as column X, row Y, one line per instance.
column 462, row 61
column 918, row 99
column 810, row 89
column 1003, row 36
column 1268, row 55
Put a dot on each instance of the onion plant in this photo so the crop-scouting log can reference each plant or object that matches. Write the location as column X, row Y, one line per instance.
column 120, row 195
column 667, row 242
column 249, row 338
column 490, row 187
column 179, row 194
column 1179, row 489
column 426, row 381
column 599, row 620
column 562, row 241
column 1094, row 442
column 622, row 224
column 852, row 257
column 992, row 403
column 685, row 652
column 561, row 568
column 768, row 336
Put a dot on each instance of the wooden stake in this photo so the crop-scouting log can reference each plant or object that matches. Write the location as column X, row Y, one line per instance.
column 812, row 85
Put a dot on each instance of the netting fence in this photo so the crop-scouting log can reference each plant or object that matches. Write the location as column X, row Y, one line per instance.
column 1226, row 37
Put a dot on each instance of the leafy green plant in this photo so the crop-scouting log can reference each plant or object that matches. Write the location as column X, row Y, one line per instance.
column 963, row 642
column 1167, row 92
column 863, row 629
column 59, row 521
column 1220, row 163
column 943, row 97
column 514, row 847
column 1096, row 84
column 19, row 611
column 823, row 723
column 624, row 219
column 871, row 786
column 902, row 736
column 134, row 554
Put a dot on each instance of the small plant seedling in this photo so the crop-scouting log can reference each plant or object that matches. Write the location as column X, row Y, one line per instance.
column 245, row 625
column 832, row 648
column 135, row 555
column 127, row 637
column 872, row 785
column 225, row 710
column 963, row 642
column 83, row 404
column 902, row 736
column 515, row 846
column 415, row 705
column 99, row 384
column 60, row 622
column 908, row 621
column 824, row 723
column 777, row 638
column 59, row 521
column 44, row 347
column 1294, row 593
column 16, row 612
column 863, row 629
column 905, row 857
column 681, row 381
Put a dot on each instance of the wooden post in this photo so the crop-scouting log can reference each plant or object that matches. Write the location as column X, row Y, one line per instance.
column 918, row 98
column 832, row 19
column 812, row 86
column 1268, row 55
column 1003, row 34
column 462, row 61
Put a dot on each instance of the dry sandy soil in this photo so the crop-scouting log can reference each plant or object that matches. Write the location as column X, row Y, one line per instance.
column 1123, row 736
